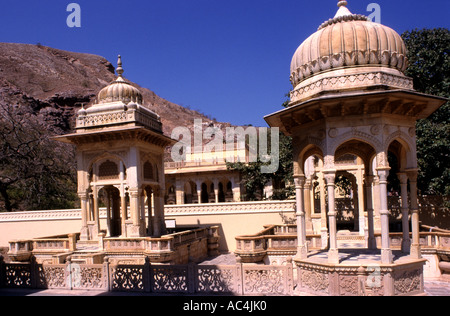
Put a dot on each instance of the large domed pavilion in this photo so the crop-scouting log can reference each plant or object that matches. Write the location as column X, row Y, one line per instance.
column 351, row 97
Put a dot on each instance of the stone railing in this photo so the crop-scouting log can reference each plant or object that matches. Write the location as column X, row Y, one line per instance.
column 436, row 241
column 22, row 250
column 235, row 279
column 282, row 240
column 273, row 240
column 162, row 249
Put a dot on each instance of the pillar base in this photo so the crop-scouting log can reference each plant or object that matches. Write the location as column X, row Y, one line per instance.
column 386, row 256
column 135, row 231
column 302, row 253
column 84, row 234
column 333, row 256
column 324, row 238
column 406, row 246
column 416, row 252
column 371, row 243
column 358, row 277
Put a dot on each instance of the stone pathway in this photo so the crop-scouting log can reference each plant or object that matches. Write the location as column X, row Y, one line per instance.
column 435, row 288
column 225, row 259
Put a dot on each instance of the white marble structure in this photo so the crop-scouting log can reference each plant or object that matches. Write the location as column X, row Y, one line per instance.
column 120, row 161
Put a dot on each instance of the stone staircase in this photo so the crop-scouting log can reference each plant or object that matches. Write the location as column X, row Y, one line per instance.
column 88, row 252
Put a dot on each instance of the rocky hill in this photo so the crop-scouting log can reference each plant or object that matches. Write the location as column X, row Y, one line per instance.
column 55, row 83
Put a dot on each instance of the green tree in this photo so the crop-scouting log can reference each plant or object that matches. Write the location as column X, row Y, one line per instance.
column 429, row 58
column 35, row 171
column 254, row 180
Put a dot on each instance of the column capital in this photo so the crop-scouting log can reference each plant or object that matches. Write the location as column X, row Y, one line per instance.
column 368, row 179
column 383, row 173
column 299, row 180
column 329, row 176
column 403, row 177
column 308, row 184
column 83, row 195
column 134, row 192
column 412, row 174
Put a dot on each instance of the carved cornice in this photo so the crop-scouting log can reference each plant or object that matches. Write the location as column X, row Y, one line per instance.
column 349, row 81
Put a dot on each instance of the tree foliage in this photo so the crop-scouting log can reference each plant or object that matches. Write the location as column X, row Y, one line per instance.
column 429, row 57
column 282, row 180
column 36, row 172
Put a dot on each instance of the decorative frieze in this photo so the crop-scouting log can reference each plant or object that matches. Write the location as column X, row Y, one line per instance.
column 361, row 279
column 349, row 81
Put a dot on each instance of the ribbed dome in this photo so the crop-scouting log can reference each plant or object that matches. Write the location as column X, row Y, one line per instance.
column 348, row 40
column 119, row 90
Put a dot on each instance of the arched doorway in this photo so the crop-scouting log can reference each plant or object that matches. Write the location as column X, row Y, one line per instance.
column 221, row 193
column 204, row 194
column 110, row 198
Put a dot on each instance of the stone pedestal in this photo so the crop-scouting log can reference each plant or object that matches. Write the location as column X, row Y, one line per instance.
column 360, row 274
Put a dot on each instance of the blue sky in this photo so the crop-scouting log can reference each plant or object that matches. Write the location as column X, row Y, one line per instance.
column 229, row 59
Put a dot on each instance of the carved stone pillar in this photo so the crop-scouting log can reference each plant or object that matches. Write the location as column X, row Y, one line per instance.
column 150, row 212
column 386, row 252
column 406, row 241
column 307, row 203
column 96, row 230
column 135, row 212
column 333, row 252
column 216, row 190
column 360, row 188
column 179, row 192
column 84, row 234
column 124, row 211
column 371, row 242
column 323, row 212
column 415, row 245
column 108, row 212
column 302, row 250
column 199, row 191
column 236, row 189
column 158, row 223
column 356, row 211
column 376, row 204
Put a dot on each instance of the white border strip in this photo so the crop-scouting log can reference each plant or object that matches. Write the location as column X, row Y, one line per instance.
column 169, row 210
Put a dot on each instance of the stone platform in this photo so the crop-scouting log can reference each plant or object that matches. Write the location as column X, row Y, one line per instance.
column 360, row 273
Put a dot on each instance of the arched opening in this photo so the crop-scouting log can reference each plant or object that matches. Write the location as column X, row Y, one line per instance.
column 110, row 198
column 211, row 195
column 148, row 203
column 171, row 196
column 229, row 192
column 221, row 193
column 188, row 192
column 204, row 193
column 346, row 199
column 352, row 163
column 148, row 171
column 398, row 202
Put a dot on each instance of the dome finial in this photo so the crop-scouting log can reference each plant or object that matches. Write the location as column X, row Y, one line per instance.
column 342, row 3
column 119, row 66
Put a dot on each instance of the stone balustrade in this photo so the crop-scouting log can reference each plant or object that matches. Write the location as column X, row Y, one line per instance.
column 237, row 279
column 164, row 249
column 282, row 240
column 273, row 240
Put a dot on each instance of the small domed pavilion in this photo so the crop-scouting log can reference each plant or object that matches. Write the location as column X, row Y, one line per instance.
column 120, row 161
